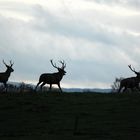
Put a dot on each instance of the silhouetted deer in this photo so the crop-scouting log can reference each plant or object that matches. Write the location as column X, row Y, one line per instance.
column 131, row 82
column 4, row 76
column 52, row 78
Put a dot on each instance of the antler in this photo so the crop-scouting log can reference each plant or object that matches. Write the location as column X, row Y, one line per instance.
column 11, row 63
column 63, row 64
column 132, row 69
column 4, row 63
column 54, row 65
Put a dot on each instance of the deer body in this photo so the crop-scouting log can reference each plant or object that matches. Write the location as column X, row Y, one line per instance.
column 131, row 82
column 52, row 78
column 4, row 76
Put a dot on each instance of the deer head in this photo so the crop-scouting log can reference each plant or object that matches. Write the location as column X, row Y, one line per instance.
column 61, row 70
column 9, row 67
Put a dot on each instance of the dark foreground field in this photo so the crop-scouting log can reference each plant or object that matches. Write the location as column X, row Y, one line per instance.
column 69, row 116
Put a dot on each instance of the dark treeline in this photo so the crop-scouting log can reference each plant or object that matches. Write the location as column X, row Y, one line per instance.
column 20, row 87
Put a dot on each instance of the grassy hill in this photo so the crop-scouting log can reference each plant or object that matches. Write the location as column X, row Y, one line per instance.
column 69, row 116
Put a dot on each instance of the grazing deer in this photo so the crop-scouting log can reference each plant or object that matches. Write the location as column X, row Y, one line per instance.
column 4, row 76
column 131, row 82
column 52, row 78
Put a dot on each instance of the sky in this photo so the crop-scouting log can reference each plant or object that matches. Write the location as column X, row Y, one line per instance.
column 97, row 39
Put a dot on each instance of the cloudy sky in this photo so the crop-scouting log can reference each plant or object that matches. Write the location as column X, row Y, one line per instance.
column 96, row 38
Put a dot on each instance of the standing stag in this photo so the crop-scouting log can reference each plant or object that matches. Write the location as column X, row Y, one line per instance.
column 131, row 82
column 52, row 78
column 4, row 76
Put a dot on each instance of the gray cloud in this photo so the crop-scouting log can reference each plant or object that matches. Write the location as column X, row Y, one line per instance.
column 96, row 46
column 129, row 3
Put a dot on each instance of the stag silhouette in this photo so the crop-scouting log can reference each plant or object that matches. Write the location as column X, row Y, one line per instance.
column 131, row 82
column 52, row 78
column 4, row 76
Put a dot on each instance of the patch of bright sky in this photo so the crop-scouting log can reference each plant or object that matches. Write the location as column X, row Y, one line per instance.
column 133, row 33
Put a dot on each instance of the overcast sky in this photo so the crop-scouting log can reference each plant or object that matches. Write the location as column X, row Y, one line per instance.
column 96, row 38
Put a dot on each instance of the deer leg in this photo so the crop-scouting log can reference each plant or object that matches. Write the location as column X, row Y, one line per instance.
column 37, row 85
column 50, row 87
column 59, row 87
column 119, row 89
column 42, row 85
column 5, row 87
column 138, row 88
column 124, row 89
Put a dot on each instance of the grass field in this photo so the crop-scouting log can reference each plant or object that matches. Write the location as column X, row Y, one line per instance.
column 69, row 116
